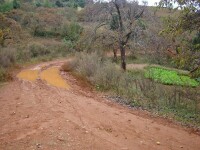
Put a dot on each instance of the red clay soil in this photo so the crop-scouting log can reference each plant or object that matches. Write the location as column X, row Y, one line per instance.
column 34, row 115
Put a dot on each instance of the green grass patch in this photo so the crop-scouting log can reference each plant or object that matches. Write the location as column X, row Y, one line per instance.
column 169, row 77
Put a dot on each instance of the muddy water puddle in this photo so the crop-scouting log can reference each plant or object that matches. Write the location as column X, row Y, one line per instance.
column 30, row 75
column 51, row 76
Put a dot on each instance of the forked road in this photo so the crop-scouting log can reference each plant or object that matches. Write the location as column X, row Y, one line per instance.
column 35, row 115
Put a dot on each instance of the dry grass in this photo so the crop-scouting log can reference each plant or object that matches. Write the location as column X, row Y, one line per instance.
column 7, row 57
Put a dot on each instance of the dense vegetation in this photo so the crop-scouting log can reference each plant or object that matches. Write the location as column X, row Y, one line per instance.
column 96, row 33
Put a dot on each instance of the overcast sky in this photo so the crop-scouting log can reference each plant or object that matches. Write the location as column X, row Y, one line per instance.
column 150, row 2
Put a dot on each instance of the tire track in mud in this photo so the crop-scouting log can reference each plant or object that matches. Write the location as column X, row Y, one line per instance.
column 58, row 92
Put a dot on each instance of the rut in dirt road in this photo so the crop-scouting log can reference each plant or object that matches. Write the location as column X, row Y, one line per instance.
column 38, row 115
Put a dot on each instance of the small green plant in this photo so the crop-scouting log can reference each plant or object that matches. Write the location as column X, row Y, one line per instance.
column 6, row 6
column 75, row 3
column 114, row 24
column 169, row 77
column 48, row 4
column 16, row 4
column 2, row 74
column 38, row 4
column 45, row 3
column 59, row 3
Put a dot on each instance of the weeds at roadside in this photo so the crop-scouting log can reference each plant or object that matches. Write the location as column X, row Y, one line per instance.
column 181, row 103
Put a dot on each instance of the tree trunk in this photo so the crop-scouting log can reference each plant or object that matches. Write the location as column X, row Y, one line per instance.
column 123, row 57
column 115, row 54
column 120, row 34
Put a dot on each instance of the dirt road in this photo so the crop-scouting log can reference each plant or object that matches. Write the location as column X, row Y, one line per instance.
column 35, row 115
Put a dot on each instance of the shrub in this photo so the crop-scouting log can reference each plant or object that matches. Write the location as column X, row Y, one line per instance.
column 87, row 65
column 5, row 75
column 16, row 4
column 48, row 4
column 38, row 4
column 101, row 72
column 41, row 51
column 37, row 49
column 40, row 31
column 114, row 24
column 73, row 32
column 2, row 74
column 81, row 3
column 23, row 55
column 196, row 74
column 6, row 6
column 7, row 57
column 4, row 34
column 59, row 4
column 2, row 1
column 45, row 3
column 104, row 74
column 9, row 29
column 75, row 3
column 107, row 76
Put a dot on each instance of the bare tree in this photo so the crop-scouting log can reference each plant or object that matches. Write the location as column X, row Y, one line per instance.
column 123, row 19
column 128, row 12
